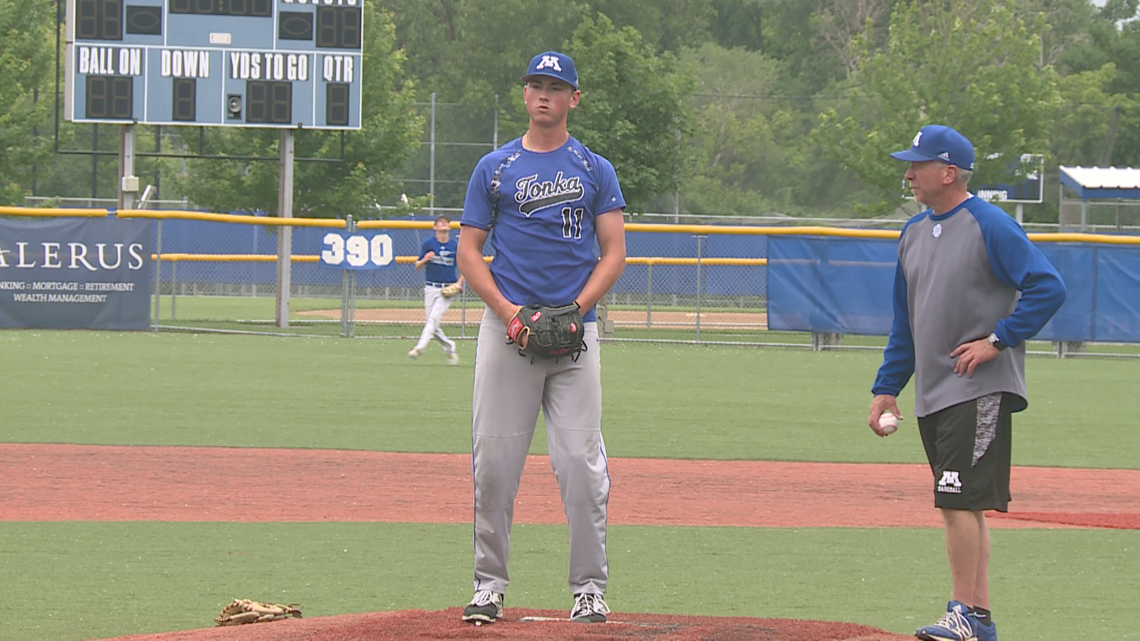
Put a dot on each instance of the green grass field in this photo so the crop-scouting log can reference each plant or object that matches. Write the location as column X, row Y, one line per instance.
column 82, row 580
column 256, row 315
column 68, row 580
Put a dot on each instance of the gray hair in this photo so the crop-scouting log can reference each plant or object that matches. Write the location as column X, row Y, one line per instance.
column 964, row 175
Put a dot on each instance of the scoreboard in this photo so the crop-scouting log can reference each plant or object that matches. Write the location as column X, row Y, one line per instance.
column 243, row 63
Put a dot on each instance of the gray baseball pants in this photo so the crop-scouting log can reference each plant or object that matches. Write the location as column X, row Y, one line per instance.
column 434, row 307
column 509, row 390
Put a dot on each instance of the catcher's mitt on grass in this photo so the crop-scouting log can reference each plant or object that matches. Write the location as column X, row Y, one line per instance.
column 451, row 290
column 241, row 611
column 548, row 332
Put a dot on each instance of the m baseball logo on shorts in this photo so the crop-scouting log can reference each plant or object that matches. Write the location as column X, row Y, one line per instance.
column 950, row 483
column 549, row 61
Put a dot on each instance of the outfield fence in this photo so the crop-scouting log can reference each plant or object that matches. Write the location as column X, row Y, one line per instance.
column 823, row 287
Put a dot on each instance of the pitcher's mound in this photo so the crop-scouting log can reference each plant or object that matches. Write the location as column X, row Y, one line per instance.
column 445, row 624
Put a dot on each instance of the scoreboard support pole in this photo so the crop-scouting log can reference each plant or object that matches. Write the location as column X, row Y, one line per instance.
column 128, row 181
column 285, row 232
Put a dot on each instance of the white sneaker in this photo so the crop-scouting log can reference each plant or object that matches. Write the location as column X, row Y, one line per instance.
column 956, row 625
column 486, row 607
column 589, row 608
column 414, row 354
column 453, row 359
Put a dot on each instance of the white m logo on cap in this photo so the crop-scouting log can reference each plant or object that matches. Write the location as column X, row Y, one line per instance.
column 549, row 61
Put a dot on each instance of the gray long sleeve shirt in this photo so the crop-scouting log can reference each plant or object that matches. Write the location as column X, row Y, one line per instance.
column 960, row 276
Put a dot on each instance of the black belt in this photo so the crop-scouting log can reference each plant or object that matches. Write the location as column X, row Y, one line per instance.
column 434, row 284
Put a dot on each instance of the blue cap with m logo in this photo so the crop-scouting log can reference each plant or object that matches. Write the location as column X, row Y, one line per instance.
column 942, row 143
column 553, row 64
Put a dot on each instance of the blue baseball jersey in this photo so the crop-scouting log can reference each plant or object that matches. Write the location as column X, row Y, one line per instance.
column 544, row 238
column 441, row 268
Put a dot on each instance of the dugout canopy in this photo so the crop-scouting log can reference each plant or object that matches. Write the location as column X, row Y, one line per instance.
column 1100, row 185
column 1091, row 183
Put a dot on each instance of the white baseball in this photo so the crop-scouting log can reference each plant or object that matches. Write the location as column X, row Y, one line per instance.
column 888, row 423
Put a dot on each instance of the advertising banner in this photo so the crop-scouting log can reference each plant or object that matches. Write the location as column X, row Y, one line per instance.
column 91, row 273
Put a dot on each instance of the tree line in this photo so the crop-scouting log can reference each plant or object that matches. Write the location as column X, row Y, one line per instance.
column 725, row 107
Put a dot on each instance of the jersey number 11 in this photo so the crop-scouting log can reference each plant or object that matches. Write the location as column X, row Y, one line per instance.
column 572, row 222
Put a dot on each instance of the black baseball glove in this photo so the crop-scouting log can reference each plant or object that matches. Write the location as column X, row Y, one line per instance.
column 548, row 332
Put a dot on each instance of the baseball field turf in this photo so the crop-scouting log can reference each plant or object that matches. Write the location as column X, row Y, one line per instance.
column 66, row 577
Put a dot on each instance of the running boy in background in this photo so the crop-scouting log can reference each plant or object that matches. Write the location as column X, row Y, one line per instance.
column 438, row 255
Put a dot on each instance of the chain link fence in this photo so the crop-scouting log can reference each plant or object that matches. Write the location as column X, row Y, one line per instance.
column 456, row 137
column 223, row 276
column 682, row 283
column 1100, row 216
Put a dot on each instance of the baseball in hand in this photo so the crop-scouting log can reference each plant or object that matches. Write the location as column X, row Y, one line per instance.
column 888, row 423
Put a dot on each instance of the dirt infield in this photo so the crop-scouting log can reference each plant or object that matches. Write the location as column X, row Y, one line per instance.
column 45, row 482
column 445, row 624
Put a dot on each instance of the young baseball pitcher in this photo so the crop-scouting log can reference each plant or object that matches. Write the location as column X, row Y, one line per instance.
column 542, row 200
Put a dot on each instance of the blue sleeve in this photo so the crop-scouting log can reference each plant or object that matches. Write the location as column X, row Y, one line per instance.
column 477, row 202
column 1018, row 263
column 898, row 357
column 609, row 195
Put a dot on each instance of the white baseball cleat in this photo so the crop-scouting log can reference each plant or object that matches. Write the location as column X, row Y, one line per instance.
column 485, row 607
column 414, row 354
column 453, row 359
column 589, row 608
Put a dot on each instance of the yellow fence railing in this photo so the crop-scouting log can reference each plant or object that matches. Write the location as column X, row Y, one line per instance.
column 272, row 221
column 50, row 212
column 269, row 258
column 331, row 223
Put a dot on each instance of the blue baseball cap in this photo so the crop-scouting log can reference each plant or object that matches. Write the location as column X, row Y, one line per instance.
column 939, row 142
column 553, row 64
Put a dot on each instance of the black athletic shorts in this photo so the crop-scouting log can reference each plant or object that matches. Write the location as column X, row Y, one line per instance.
column 968, row 447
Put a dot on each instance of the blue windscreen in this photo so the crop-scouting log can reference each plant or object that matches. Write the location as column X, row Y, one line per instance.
column 843, row 285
